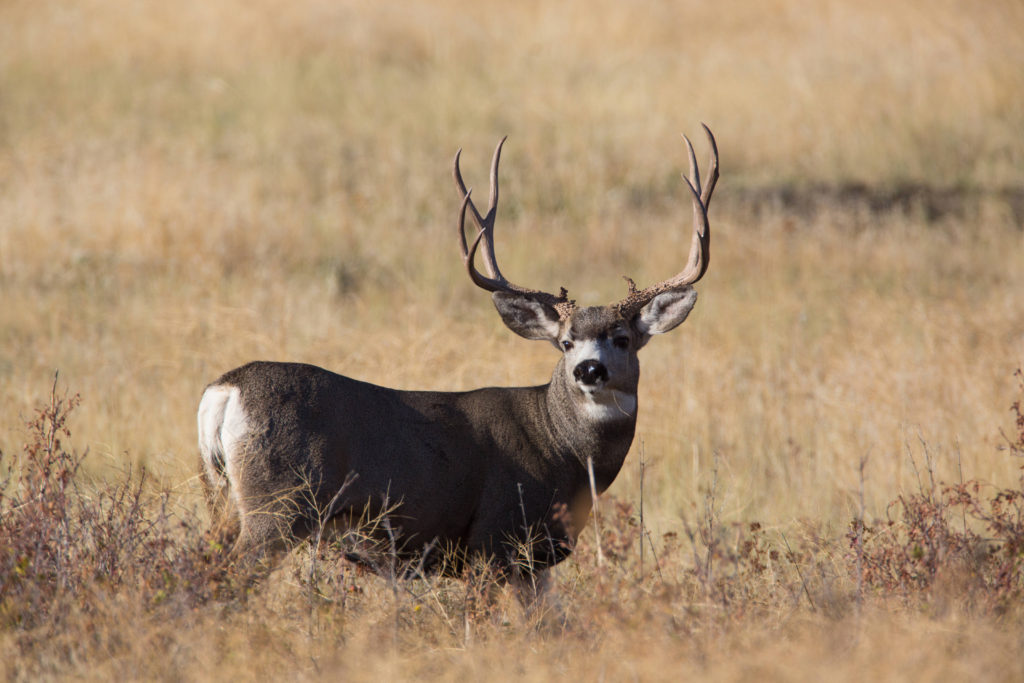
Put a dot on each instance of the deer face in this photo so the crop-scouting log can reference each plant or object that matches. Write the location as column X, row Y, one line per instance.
column 600, row 362
column 598, row 344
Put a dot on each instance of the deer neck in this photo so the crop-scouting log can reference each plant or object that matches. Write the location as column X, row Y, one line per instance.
column 598, row 428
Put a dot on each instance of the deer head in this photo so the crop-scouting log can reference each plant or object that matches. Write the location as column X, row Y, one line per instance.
column 599, row 343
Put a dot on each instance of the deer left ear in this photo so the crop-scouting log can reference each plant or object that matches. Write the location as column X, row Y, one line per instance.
column 665, row 311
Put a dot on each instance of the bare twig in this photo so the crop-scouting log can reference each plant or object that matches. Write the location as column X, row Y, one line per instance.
column 593, row 500
column 860, row 535
column 800, row 574
column 643, row 528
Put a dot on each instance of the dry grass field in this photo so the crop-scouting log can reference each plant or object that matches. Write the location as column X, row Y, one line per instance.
column 188, row 186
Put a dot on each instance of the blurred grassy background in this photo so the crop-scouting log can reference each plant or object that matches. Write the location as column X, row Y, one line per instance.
column 188, row 186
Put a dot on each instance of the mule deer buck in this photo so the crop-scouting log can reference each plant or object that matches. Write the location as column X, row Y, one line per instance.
column 505, row 474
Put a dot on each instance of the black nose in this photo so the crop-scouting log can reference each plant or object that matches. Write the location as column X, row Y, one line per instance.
column 590, row 372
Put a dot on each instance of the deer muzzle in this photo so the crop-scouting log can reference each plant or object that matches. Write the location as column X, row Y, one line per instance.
column 590, row 373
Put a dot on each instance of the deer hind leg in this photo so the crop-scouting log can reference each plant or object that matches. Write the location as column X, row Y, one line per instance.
column 224, row 519
column 266, row 533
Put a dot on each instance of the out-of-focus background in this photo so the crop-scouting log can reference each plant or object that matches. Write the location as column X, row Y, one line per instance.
column 191, row 186
column 188, row 186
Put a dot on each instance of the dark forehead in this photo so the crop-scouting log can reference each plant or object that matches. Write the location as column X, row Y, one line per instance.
column 594, row 321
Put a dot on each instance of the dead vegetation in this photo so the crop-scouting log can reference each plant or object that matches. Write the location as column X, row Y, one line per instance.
column 88, row 569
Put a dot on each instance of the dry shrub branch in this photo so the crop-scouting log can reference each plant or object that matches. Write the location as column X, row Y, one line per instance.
column 69, row 547
column 967, row 536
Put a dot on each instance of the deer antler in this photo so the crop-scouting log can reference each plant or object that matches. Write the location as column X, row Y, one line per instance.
column 697, row 262
column 496, row 281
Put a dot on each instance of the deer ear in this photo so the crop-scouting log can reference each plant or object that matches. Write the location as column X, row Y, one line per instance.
column 665, row 311
column 526, row 316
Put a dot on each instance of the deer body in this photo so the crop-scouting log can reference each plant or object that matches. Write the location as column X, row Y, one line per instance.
column 463, row 468
column 499, row 473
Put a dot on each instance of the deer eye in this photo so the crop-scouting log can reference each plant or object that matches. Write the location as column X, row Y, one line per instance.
column 566, row 345
column 621, row 342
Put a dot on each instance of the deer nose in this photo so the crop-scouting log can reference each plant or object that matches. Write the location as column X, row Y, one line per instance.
column 590, row 372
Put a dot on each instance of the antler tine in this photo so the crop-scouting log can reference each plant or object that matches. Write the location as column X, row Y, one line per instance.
column 492, row 201
column 490, row 261
column 462, row 186
column 700, row 245
column 485, row 224
column 698, row 248
column 692, row 158
column 705, row 195
column 469, row 253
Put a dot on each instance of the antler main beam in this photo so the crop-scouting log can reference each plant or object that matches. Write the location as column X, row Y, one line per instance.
column 697, row 261
column 494, row 281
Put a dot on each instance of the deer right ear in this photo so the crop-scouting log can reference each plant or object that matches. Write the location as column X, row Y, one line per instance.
column 526, row 316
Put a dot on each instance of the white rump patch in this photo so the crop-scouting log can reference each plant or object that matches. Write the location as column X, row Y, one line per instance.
column 609, row 405
column 222, row 427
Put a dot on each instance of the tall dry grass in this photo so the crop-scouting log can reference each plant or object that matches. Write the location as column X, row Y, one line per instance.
column 187, row 187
